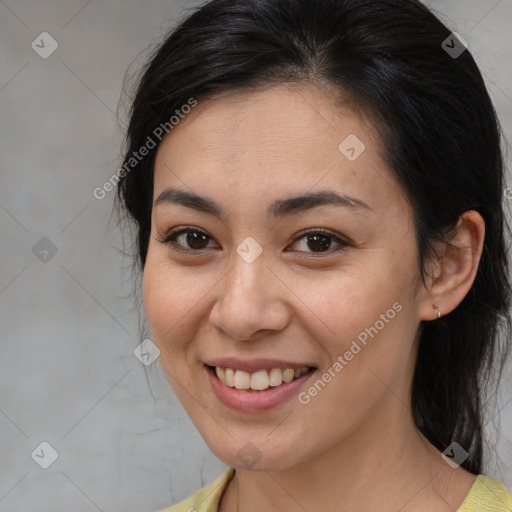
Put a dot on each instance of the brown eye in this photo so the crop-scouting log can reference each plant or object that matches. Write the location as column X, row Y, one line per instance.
column 320, row 241
column 187, row 239
column 197, row 240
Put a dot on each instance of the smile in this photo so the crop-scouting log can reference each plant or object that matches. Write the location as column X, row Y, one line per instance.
column 257, row 390
column 260, row 380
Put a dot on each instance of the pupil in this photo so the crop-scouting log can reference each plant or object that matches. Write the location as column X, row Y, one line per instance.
column 321, row 241
column 195, row 239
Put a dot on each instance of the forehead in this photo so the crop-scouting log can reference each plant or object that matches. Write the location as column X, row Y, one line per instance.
column 282, row 117
column 280, row 138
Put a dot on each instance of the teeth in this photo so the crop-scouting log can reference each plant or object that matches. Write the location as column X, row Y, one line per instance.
column 276, row 377
column 230, row 378
column 221, row 373
column 242, row 380
column 259, row 380
column 288, row 375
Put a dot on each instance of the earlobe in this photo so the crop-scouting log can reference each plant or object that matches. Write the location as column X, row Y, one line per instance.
column 455, row 267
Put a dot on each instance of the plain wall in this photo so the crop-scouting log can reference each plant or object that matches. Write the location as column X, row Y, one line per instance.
column 68, row 375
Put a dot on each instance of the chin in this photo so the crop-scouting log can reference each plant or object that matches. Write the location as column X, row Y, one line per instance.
column 247, row 455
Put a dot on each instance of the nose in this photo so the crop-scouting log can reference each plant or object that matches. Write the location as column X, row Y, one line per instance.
column 251, row 299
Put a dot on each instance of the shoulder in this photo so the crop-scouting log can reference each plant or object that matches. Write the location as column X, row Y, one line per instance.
column 206, row 499
column 487, row 495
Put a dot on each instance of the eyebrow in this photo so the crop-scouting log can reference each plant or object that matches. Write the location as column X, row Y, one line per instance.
column 280, row 208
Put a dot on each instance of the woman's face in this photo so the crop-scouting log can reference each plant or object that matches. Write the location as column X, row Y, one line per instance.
column 300, row 253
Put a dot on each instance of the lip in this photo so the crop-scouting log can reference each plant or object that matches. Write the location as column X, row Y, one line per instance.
column 250, row 401
column 254, row 365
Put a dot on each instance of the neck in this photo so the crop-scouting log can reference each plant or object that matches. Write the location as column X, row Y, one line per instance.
column 385, row 465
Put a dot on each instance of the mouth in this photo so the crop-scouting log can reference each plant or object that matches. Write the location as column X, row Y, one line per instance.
column 259, row 390
column 260, row 380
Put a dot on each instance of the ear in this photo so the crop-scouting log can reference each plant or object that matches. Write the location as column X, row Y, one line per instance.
column 454, row 267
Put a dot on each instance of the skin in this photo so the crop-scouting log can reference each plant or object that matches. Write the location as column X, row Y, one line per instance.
column 355, row 442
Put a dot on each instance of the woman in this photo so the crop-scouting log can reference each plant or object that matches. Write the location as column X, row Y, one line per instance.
column 317, row 192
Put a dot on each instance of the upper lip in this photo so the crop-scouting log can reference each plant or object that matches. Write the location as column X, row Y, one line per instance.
column 254, row 365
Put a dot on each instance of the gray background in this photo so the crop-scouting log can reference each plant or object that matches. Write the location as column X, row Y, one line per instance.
column 68, row 375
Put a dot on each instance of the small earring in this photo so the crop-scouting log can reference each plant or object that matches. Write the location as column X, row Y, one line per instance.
column 435, row 307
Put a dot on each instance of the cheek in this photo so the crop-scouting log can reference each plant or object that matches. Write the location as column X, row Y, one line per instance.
column 365, row 322
column 168, row 303
column 368, row 356
column 342, row 305
column 386, row 323
column 167, row 300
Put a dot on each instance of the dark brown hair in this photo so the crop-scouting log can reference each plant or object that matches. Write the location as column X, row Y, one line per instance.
column 390, row 57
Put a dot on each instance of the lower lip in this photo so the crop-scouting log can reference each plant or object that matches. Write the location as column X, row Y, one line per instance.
column 255, row 401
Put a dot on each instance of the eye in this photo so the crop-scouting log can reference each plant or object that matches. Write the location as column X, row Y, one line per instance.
column 187, row 239
column 320, row 241
column 190, row 239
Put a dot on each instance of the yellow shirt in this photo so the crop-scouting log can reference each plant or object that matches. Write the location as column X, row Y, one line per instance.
column 485, row 495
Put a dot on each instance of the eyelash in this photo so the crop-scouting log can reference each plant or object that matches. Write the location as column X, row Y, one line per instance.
column 169, row 239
